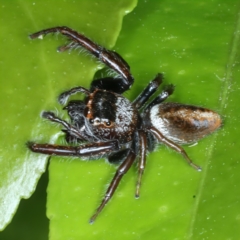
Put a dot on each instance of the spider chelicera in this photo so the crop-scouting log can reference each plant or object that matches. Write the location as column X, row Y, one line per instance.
column 106, row 124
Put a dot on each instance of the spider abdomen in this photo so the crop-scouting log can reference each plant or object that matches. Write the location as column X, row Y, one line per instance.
column 183, row 123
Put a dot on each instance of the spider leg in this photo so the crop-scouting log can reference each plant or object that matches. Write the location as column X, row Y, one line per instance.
column 167, row 91
column 72, row 130
column 142, row 161
column 118, row 157
column 68, row 46
column 174, row 146
column 63, row 97
column 75, row 109
column 90, row 150
column 109, row 84
column 110, row 58
column 122, row 169
column 148, row 91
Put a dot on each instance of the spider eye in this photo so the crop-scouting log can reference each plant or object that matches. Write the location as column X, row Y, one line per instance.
column 97, row 120
column 108, row 123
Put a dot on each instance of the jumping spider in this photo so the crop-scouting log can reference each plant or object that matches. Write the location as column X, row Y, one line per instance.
column 117, row 129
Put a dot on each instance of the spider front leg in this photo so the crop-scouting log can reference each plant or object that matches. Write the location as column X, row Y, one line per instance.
column 91, row 150
column 109, row 84
column 122, row 169
column 110, row 58
column 63, row 97
column 71, row 129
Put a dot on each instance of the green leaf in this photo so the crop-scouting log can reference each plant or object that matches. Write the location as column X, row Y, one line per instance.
column 196, row 45
column 190, row 43
column 34, row 75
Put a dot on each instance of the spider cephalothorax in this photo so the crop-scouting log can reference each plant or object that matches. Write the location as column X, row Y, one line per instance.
column 117, row 129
